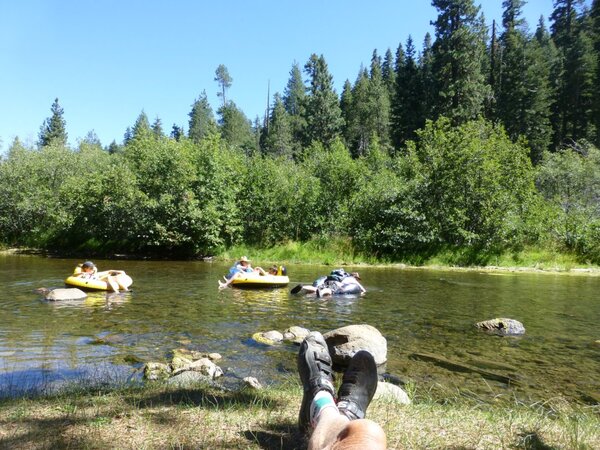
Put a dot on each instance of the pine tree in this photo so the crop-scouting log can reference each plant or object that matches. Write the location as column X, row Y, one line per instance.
column 359, row 127
column 157, row 129
column 426, row 79
column 279, row 138
column 459, row 52
column 409, row 114
column 235, row 128
column 202, row 121
column 141, row 129
column 346, row 105
column 379, row 102
column 54, row 128
column 113, row 148
column 323, row 115
column 595, row 25
column 294, row 100
column 523, row 93
column 127, row 136
column 224, row 80
column 177, row 132
column 388, row 73
column 572, row 115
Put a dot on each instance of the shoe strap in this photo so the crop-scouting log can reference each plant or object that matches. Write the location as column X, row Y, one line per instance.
column 350, row 409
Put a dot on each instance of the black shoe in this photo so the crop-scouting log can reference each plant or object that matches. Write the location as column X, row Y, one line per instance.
column 358, row 386
column 314, row 366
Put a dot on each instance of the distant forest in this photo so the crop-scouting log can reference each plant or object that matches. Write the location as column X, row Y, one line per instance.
column 486, row 139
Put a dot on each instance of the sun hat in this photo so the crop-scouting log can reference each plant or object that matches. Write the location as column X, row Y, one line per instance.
column 244, row 259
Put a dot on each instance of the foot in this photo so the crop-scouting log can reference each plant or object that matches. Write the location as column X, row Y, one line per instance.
column 358, row 386
column 314, row 366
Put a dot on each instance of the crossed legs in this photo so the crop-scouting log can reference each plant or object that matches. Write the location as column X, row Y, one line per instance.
column 340, row 426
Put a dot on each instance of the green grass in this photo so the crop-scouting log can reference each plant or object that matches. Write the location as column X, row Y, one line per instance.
column 340, row 252
column 158, row 416
column 332, row 252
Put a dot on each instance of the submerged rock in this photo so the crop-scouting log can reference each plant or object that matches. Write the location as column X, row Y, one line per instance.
column 62, row 294
column 502, row 327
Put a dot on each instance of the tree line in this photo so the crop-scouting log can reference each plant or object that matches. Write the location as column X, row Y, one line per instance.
column 485, row 140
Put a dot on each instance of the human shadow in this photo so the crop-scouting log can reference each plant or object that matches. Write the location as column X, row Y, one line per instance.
column 278, row 437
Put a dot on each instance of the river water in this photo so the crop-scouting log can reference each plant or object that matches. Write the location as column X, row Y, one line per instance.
column 176, row 304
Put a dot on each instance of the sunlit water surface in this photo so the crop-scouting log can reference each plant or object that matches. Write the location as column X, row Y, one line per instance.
column 177, row 305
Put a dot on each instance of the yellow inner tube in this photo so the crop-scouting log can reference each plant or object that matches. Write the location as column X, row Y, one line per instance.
column 99, row 281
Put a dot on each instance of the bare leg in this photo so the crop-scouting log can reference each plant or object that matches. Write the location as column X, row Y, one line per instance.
column 330, row 424
column 112, row 283
column 361, row 434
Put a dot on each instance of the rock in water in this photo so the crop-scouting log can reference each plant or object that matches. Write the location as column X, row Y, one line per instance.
column 502, row 327
column 62, row 294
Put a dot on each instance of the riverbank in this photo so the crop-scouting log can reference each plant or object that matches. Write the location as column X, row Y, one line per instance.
column 340, row 253
column 157, row 416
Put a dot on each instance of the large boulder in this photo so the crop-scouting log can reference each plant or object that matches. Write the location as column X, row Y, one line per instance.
column 62, row 294
column 502, row 327
column 344, row 342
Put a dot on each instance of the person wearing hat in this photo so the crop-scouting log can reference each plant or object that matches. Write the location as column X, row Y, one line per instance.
column 90, row 271
column 236, row 271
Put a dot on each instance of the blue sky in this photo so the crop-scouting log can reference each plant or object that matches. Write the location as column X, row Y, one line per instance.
column 107, row 60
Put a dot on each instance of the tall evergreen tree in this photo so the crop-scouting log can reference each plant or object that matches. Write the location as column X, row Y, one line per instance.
column 157, row 129
column 235, row 128
column 323, row 114
column 202, row 121
column 54, row 128
column 495, row 71
column 141, row 128
column 426, row 78
column 408, row 112
column 347, row 110
column 595, row 17
column 388, row 73
column 294, row 100
column 572, row 115
column 359, row 125
column 279, row 138
column 127, row 136
column 224, row 80
column 523, row 93
column 379, row 102
column 459, row 52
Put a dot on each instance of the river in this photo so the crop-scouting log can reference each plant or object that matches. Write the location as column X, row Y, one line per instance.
column 176, row 304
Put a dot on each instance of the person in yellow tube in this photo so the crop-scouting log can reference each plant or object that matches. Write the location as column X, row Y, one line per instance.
column 90, row 271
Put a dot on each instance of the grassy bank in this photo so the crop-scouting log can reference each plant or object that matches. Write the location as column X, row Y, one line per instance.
column 160, row 417
column 340, row 252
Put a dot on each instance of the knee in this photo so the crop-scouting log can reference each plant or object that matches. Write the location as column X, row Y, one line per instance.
column 363, row 433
